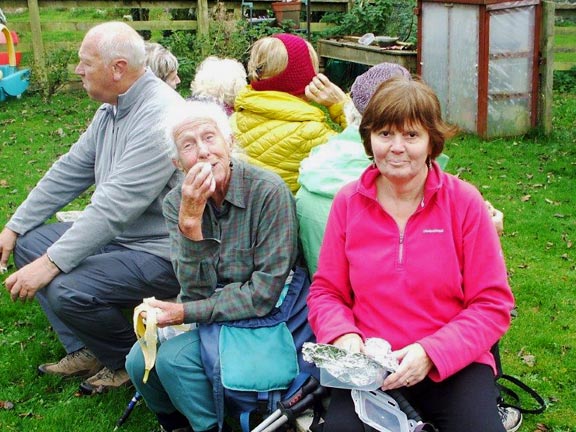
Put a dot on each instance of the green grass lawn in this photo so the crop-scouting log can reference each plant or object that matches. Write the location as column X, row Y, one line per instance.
column 531, row 178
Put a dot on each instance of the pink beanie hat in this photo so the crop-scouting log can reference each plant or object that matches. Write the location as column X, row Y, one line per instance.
column 299, row 71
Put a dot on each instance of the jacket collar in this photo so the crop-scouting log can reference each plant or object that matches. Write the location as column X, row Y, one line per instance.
column 235, row 194
column 133, row 95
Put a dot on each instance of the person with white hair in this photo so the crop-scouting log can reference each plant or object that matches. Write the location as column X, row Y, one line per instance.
column 234, row 239
column 163, row 63
column 117, row 253
column 219, row 79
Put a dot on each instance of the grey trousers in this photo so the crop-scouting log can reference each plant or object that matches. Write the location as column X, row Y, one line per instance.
column 85, row 305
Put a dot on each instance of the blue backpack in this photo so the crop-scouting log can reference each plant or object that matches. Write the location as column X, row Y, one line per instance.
column 254, row 364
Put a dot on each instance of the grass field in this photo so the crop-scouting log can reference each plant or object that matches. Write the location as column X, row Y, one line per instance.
column 530, row 178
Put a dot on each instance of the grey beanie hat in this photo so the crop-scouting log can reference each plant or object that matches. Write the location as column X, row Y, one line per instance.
column 366, row 84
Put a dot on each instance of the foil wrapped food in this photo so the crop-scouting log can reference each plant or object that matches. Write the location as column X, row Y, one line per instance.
column 354, row 370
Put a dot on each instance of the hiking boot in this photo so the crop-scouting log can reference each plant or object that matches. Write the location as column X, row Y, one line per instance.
column 511, row 418
column 105, row 380
column 79, row 363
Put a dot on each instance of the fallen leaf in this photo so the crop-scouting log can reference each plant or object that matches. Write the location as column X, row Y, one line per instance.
column 7, row 405
column 541, row 427
column 559, row 215
column 528, row 360
column 525, row 198
column 523, row 266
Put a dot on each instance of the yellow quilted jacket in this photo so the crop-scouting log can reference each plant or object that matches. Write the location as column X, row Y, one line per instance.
column 276, row 130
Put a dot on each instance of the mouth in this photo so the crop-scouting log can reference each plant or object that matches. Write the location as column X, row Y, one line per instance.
column 397, row 162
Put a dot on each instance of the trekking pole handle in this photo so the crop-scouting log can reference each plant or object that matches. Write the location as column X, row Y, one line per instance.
column 309, row 386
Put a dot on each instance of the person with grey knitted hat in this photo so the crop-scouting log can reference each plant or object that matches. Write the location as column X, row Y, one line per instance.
column 340, row 160
column 366, row 84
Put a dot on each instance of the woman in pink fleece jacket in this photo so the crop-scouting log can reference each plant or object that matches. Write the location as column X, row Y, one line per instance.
column 410, row 255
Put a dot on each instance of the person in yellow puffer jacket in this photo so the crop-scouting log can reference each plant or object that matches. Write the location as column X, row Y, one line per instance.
column 275, row 124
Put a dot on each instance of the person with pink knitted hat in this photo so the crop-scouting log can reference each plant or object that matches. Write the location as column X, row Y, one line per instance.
column 275, row 123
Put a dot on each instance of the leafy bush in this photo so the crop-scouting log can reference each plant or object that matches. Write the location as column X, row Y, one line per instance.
column 565, row 81
column 227, row 38
column 57, row 72
column 381, row 17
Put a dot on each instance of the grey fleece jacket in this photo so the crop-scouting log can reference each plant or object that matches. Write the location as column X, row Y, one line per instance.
column 123, row 156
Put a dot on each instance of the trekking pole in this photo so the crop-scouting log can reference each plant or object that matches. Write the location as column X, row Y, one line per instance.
column 410, row 412
column 309, row 386
column 137, row 396
column 295, row 410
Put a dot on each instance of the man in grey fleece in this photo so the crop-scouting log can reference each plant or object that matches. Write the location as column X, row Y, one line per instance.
column 117, row 253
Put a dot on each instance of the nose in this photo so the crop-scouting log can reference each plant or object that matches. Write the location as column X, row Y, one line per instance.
column 397, row 143
column 203, row 150
column 79, row 70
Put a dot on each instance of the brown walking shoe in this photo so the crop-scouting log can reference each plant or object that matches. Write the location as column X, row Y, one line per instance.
column 79, row 363
column 105, row 380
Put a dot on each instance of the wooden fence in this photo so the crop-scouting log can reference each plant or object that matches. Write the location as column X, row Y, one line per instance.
column 234, row 7
column 33, row 43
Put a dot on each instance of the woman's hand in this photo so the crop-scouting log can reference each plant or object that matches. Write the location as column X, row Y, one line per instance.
column 197, row 188
column 414, row 366
column 350, row 342
column 322, row 91
column 172, row 313
column 497, row 217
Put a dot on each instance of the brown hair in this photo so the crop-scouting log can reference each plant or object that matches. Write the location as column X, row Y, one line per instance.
column 401, row 101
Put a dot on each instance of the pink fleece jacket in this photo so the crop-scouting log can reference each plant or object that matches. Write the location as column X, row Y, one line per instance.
column 442, row 284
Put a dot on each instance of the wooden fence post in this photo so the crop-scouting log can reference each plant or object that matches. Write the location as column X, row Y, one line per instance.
column 546, row 67
column 37, row 43
column 203, row 20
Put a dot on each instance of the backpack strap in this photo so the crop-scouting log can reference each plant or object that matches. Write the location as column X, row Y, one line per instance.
column 533, row 394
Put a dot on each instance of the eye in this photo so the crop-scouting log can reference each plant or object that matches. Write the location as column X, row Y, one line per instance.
column 384, row 133
column 188, row 145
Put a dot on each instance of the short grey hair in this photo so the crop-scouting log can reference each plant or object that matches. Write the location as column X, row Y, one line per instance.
column 118, row 40
column 193, row 110
column 160, row 60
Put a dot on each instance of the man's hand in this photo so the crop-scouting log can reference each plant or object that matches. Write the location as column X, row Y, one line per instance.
column 197, row 188
column 172, row 313
column 7, row 243
column 24, row 284
column 322, row 91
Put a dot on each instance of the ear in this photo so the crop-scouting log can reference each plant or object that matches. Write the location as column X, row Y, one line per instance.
column 119, row 67
column 231, row 142
column 177, row 164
